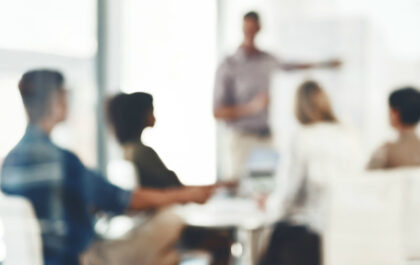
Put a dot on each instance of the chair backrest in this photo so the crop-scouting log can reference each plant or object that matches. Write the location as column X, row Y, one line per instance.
column 21, row 232
column 411, row 212
column 365, row 221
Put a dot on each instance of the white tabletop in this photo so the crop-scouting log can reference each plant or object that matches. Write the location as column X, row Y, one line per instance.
column 226, row 213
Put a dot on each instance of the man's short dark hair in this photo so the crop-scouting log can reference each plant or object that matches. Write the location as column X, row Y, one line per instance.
column 127, row 115
column 407, row 102
column 36, row 88
column 252, row 15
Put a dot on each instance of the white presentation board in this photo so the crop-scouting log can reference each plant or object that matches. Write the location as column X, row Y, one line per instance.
column 317, row 40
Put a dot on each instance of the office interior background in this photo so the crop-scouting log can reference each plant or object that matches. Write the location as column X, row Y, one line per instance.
column 171, row 49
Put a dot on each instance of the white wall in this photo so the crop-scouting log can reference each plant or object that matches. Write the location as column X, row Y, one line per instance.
column 169, row 51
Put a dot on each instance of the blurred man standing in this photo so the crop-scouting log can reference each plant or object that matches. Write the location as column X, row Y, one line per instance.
column 241, row 94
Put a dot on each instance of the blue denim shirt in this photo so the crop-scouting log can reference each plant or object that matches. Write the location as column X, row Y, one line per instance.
column 64, row 193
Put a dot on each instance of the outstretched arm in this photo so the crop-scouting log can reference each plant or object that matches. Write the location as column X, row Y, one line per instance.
column 143, row 199
column 291, row 66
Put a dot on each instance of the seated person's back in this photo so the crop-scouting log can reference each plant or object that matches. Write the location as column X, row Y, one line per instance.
column 129, row 115
column 404, row 116
column 323, row 150
column 63, row 192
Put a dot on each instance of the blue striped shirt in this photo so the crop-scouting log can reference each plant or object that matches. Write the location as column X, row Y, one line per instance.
column 64, row 193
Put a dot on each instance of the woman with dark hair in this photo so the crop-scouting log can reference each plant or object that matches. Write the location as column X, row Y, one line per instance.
column 129, row 115
column 322, row 150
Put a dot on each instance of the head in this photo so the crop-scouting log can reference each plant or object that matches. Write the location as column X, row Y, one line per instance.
column 44, row 96
column 251, row 25
column 312, row 104
column 129, row 114
column 404, row 105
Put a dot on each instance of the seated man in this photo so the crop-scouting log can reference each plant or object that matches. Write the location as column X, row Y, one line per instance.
column 64, row 193
column 404, row 115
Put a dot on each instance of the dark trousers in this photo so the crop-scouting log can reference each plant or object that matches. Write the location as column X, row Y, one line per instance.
column 216, row 241
column 293, row 245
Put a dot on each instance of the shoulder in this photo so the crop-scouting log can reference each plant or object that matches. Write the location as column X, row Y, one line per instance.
column 143, row 153
column 142, row 149
column 73, row 166
column 382, row 151
column 328, row 129
column 228, row 62
column 379, row 158
column 326, row 136
column 267, row 56
column 69, row 155
column 28, row 153
column 384, row 148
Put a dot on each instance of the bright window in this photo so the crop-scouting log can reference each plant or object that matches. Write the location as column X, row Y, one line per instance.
column 169, row 51
column 49, row 26
column 55, row 35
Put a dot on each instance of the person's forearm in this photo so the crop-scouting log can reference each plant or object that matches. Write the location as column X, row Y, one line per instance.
column 297, row 66
column 306, row 65
column 229, row 113
column 143, row 199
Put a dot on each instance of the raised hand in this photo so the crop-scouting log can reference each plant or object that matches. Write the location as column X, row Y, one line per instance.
column 259, row 103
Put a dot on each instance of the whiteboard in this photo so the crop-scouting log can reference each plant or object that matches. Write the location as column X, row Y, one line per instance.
column 312, row 40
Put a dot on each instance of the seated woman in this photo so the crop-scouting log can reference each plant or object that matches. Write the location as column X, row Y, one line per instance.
column 154, row 237
column 404, row 115
column 129, row 115
column 323, row 149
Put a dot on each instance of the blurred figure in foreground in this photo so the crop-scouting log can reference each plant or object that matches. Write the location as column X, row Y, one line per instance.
column 241, row 94
column 404, row 116
column 64, row 193
column 129, row 115
column 323, row 150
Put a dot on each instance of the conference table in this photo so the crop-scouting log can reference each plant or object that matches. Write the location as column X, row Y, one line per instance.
column 240, row 214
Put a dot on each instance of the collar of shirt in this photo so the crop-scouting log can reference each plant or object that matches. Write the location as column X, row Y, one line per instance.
column 242, row 55
column 407, row 135
column 33, row 131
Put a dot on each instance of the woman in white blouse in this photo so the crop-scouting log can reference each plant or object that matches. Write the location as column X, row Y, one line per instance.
column 323, row 149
